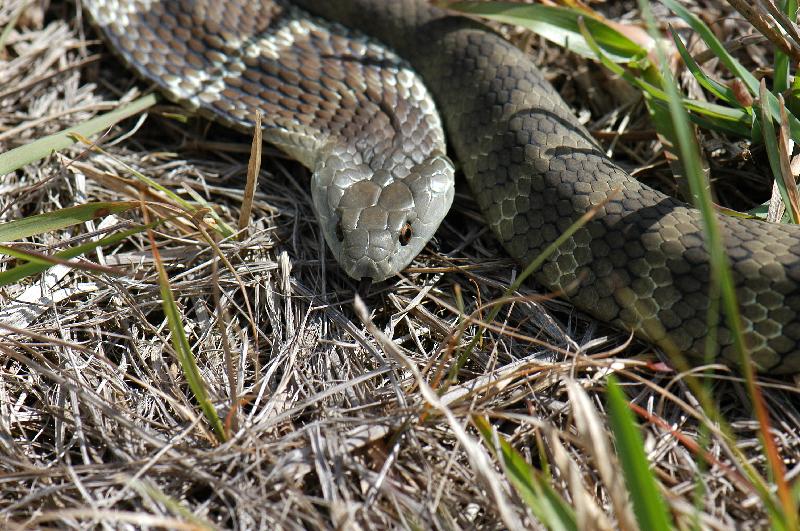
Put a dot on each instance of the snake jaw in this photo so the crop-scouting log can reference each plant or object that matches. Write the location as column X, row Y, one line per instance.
column 375, row 223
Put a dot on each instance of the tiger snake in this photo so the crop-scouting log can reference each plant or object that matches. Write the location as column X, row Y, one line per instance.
column 361, row 92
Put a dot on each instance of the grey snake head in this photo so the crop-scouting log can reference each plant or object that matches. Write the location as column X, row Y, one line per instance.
column 376, row 221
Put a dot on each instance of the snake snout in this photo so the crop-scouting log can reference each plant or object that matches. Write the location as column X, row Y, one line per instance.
column 375, row 222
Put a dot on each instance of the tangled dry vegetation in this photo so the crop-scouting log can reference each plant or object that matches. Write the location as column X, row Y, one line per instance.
column 329, row 425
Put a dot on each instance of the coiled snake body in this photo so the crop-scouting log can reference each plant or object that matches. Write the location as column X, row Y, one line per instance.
column 357, row 116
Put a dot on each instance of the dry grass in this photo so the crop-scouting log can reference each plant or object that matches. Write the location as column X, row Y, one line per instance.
column 329, row 425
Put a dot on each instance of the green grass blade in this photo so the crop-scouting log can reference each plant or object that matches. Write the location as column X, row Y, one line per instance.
column 648, row 502
column 717, row 89
column 783, row 76
column 793, row 102
column 780, row 81
column 180, row 343
column 771, row 145
column 20, row 272
column 690, row 157
column 60, row 219
column 714, row 44
column 537, row 493
column 742, row 128
column 731, row 63
column 38, row 149
column 535, row 264
column 737, row 121
column 558, row 25
column 33, row 257
column 221, row 227
column 715, row 111
column 6, row 31
column 759, row 212
column 22, row 254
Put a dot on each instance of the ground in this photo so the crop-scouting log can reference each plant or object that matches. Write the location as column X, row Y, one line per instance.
column 326, row 423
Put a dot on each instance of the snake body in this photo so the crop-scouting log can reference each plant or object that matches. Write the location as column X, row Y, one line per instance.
column 350, row 110
column 639, row 264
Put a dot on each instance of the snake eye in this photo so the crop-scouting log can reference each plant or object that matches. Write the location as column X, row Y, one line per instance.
column 339, row 232
column 405, row 234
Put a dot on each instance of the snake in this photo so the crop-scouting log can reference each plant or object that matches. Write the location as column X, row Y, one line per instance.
column 369, row 94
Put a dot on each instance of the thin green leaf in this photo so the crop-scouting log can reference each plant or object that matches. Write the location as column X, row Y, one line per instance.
column 558, row 25
column 180, row 343
column 45, row 260
column 60, row 219
column 731, row 63
column 12, row 23
column 21, row 254
column 717, row 89
column 220, row 225
column 721, row 112
column 782, row 63
column 648, row 502
column 742, row 128
column 28, row 269
column 782, row 72
column 759, row 212
column 38, row 149
column 537, row 493
column 714, row 44
column 721, row 117
column 773, row 154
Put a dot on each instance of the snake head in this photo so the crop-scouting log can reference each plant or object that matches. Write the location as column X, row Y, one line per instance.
column 376, row 221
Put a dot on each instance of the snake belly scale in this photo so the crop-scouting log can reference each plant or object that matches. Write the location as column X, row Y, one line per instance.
column 358, row 117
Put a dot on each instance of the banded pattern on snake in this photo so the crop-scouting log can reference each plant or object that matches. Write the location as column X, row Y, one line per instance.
column 381, row 184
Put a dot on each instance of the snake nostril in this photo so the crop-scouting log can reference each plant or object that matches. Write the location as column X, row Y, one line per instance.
column 339, row 231
column 405, row 234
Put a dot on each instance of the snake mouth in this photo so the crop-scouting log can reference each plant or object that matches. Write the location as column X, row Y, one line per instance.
column 363, row 287
column 366, row 268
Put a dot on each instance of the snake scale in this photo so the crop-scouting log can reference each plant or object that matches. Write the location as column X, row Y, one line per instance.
column 357, row 115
